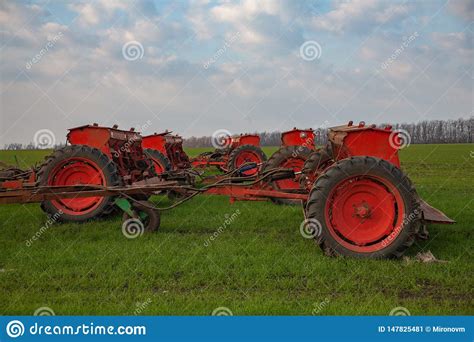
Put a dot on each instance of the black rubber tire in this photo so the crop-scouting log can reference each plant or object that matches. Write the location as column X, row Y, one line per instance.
column 278, row 158
column 108, row 167
column 159, row 157
column 152, row 223
column 355, row 166
column 317, row 161
column 164, row 161
column 231, row 163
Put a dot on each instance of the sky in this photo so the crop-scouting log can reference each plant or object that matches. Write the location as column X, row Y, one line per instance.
column 243, row 66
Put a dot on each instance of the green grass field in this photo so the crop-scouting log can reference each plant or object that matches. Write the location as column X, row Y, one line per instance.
column 258, row 265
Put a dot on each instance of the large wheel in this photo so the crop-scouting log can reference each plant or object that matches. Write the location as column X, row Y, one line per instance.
column 79, row 164
column 364, row 207
column 162, row 164
column 314, row 166
column 290, row 157
column 246, row 154
column 160, row 161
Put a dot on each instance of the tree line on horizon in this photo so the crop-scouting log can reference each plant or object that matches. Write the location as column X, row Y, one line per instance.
column 423, row 132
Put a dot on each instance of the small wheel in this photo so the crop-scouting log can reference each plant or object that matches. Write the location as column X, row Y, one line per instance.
column 160, row 161
column 149, row 217
column 364, row 207
column 290, row 157
column 246, row 154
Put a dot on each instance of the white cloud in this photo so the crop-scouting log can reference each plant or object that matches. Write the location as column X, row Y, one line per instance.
column 245, row 10
column 359, row 15
column 88, row 14
column 261, row 69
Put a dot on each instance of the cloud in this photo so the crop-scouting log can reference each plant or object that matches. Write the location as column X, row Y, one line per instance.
column 463, row 9
column 360, row 16
column 257, row 82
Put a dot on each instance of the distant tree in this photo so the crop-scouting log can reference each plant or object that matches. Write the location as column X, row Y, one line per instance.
column 423, row 132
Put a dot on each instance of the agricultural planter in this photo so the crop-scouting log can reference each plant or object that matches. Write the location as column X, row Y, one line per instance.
column 296, row 147
column 236, row 151
column 359, row 203
column 166, row 151
column 99, row 156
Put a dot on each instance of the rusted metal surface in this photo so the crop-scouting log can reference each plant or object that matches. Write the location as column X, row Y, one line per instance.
column 13, row 178
column 32, row 194
column 169, row 145
column 431, row 214
column 220, row 157
column 254, row 194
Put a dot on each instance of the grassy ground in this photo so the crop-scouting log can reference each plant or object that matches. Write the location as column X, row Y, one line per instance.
column 259, row 264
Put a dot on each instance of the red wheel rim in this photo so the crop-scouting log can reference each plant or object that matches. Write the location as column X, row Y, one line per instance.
column 76, row 171
column 364, row 213
column 247, row 157
column 291, row 183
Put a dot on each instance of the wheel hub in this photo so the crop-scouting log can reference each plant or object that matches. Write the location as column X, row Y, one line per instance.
column 77, row 171
column 362, row 211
